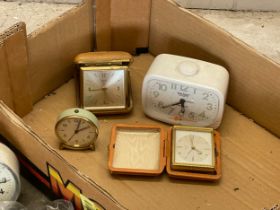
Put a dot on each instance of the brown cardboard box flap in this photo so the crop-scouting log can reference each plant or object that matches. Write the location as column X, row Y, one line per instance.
column 53, row 47
column 14, row 81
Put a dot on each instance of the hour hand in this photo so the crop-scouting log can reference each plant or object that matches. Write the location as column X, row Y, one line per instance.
column 177, row 103
column 4, row 180
column 98, row 89
column 81, row 129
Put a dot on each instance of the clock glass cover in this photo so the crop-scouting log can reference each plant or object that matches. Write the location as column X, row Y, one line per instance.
column 76, row 132
column 9, row 184
column 181, row 103
column 193, row 149
column 104, row 88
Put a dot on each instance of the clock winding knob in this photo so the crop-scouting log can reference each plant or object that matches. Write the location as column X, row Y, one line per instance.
column 188, row 68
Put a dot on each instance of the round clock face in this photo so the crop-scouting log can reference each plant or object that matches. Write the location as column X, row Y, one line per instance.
column 192, row 149
column 76, row 132
column 104, row 89
column 177, row 103
column 9, row 185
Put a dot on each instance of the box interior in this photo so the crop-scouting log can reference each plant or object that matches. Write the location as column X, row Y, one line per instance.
column 250, row 153
column 250, row 157
column 137, row 149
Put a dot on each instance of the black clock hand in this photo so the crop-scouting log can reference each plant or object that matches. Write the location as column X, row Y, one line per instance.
column 78, row 126
column 188, row 153
column 170, row 105
column 98, row 89
column 180, row 102
column 76, row 130
column 83, row 129
column 198, row 151
column 4, row 181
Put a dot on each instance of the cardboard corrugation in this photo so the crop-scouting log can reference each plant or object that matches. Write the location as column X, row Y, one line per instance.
column 130, row 22
column 250, row 154
column 15, row 85
column 102, row 31
column 53, row 48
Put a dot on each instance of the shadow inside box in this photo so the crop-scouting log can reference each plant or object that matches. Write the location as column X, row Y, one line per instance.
column 160, row 178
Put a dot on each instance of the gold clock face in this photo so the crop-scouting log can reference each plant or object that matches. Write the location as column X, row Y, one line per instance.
column 193, row 149
column 76, row 132
column 103, row 89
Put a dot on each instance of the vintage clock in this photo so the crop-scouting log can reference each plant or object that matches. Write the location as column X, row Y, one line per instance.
column 77, row 129
column 185, row 152
column 9, row 175
column 104, row 82
column 193, row 149
column 185, row 91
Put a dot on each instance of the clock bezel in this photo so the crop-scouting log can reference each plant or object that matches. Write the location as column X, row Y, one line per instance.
column 16, row 179
column 76, row 113
column 107, row 60
column 164, row 117
column 193, row 166
column 127, row 100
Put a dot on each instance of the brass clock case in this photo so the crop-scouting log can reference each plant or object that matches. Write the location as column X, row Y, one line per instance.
column 103, row 82
column 193, row 149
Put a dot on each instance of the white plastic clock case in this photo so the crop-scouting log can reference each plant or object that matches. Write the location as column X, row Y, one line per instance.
column 193, row 73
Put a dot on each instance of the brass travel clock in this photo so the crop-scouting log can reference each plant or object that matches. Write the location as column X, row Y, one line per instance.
column 104, row 82
column 193, row 149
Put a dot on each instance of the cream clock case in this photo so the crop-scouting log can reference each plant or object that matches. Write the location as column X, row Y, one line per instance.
column 9, row 175
column 104, row 82
column 77, row 129
column 185, row 91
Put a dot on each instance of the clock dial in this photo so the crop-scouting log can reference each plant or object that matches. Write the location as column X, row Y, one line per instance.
column 192, row 149
column 76, row 132
column 181, row 103
column 9, row 189
column 104, row 89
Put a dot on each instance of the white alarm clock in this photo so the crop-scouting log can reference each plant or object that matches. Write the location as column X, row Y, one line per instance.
column 185, row 91
column 9, row 175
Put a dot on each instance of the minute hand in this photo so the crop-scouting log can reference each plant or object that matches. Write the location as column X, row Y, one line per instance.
column 181, row 102
column 171, row 105
column 83, row 128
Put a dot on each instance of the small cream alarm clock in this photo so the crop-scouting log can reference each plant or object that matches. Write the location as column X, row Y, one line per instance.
column 185, row 91
column 77, row 129
column 9, row 175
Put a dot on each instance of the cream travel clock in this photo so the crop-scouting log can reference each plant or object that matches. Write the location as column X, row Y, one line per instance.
column 9, row 175
column 185, row 91
column 104, row 82
column 77, row 129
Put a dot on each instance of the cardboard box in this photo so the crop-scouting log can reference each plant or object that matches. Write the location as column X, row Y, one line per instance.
column 255, row 5
column 34, row 70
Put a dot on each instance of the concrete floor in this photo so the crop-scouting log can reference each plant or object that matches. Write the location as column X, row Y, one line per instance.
column 29, row 193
